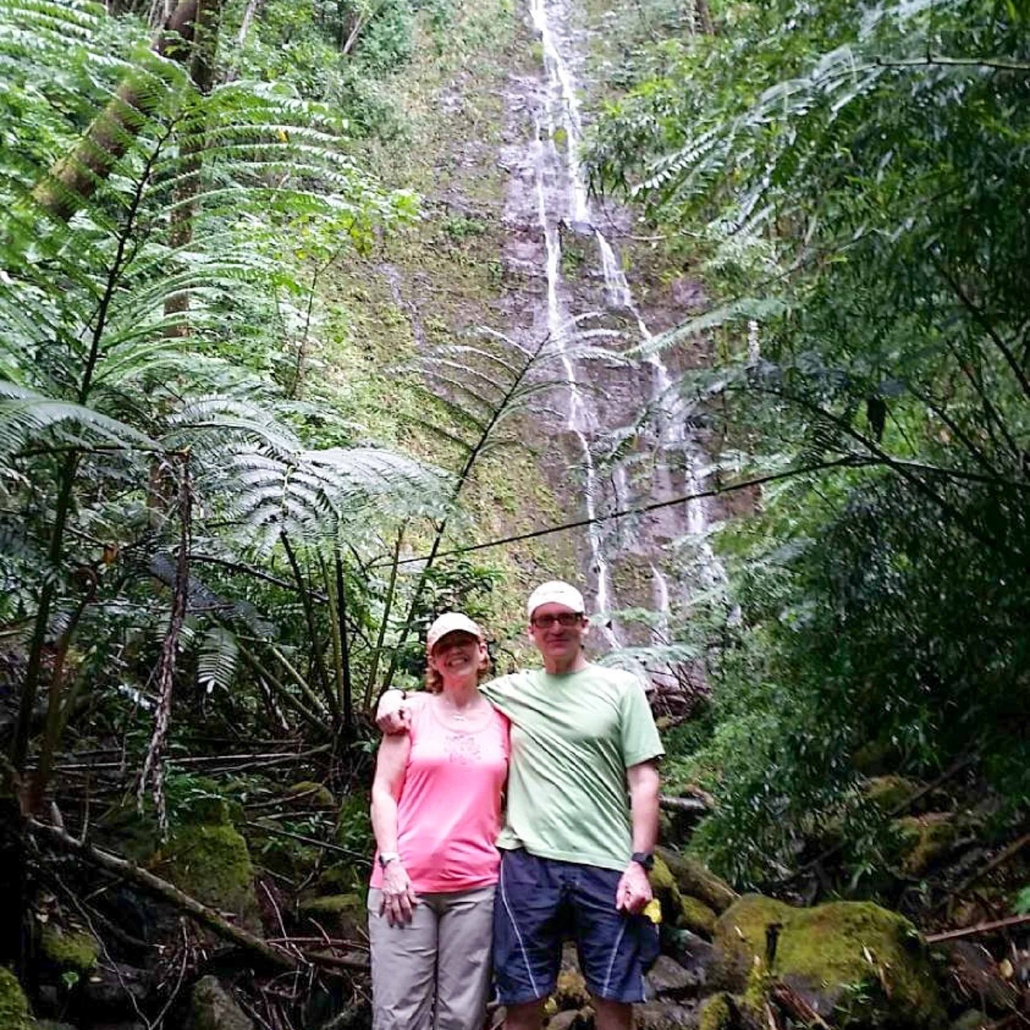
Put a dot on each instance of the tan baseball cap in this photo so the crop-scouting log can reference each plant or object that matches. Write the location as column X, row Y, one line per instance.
column 450, row 622
column 556, row 592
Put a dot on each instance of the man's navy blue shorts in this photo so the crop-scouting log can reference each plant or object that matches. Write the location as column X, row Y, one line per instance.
column 541, row 901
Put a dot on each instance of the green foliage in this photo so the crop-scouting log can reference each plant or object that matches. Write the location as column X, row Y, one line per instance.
column 851, row 179
column 157, row 321
column 340, row 53
column 1022, row 903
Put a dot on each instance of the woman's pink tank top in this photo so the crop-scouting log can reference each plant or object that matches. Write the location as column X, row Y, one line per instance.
column 449, row 812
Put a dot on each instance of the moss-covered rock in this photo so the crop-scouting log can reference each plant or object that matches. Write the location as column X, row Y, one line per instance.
column 666, row 890
column 887, row 792
column 211, row 863
column 14, row 1008
column 696, row 916
column 853, row 961
column 571, row 992
column 659, row 1015
column 678, row 909
column 205, row 810
column 308, row 794
column 213, row 1008
column 69, row 951
column 283, row 855
column 129, row 832
column 924, row 839
column 693, row 880
column 342, row 878
column 716, row 1013
column 345, row 914
column 696, row 881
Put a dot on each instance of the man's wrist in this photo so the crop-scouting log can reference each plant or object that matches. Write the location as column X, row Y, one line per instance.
column 644, row 859
column 386, row 857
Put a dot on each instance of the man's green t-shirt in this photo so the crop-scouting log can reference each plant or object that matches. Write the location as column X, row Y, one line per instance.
column 572, row 739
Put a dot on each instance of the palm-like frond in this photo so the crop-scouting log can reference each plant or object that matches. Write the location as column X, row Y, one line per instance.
column 217, row 659
column 27, row 418
column 311, row 495
column 480, row 389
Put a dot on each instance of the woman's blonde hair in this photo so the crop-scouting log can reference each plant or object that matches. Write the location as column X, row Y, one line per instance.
column 434, row 681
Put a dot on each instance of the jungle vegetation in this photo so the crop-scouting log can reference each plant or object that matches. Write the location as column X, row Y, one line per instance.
column 208, row 520
column 846, row 179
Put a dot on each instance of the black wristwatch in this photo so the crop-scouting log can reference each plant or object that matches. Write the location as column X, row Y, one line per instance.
column 644, row 859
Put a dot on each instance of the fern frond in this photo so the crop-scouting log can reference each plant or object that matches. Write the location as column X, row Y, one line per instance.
column 760, row 309
column 217, row 659
column 225, row 418
column 27, row 416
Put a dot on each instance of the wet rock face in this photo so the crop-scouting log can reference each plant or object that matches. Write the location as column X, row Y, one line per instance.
column 858, row 965
column 626, row 436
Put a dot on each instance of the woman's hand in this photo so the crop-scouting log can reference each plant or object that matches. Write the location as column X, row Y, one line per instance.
column 399, row 897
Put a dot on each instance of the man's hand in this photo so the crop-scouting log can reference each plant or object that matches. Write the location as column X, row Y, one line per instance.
column 399, row 897
column 392, row 714
column 634, row 890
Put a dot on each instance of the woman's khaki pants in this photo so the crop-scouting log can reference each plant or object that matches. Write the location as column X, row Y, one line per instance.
column 433, row 972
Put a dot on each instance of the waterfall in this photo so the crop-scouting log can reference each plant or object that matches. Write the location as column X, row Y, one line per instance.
column 562, row 196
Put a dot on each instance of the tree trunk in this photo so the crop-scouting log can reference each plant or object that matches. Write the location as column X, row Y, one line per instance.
column 74, row 178
column 191, row 147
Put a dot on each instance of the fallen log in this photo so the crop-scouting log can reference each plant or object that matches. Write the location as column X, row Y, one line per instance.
column 795, row 1006
column 160, row 888
column 348, row 961
column 980, row 928
column 998, row 860
column 671, row 804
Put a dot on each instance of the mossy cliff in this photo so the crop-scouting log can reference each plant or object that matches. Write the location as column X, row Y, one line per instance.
column 856, row 963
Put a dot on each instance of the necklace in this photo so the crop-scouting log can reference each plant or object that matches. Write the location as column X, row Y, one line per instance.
column 462, row 714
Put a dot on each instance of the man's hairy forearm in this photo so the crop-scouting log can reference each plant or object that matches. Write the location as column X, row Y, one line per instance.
column 643, row 794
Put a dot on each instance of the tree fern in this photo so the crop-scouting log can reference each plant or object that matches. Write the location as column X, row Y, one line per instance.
column 142, row 218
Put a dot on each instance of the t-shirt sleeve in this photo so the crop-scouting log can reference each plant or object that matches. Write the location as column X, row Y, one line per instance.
column 640, row 739
column 499, row 693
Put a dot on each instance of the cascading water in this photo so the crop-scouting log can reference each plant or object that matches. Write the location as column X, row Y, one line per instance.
column 562, row 197
column 561, row 110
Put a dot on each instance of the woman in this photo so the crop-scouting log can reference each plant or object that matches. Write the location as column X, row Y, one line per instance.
column 436, row 811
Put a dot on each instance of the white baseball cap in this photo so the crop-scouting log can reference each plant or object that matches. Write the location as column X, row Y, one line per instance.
column 450, row 622
column 556, row 592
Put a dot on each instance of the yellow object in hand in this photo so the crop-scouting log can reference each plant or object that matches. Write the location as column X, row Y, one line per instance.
column 653, row 911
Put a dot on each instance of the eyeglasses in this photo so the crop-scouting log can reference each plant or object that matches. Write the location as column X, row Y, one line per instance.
column 565, row 619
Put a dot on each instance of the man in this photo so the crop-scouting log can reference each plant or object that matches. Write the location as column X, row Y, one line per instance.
column 575, row 850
